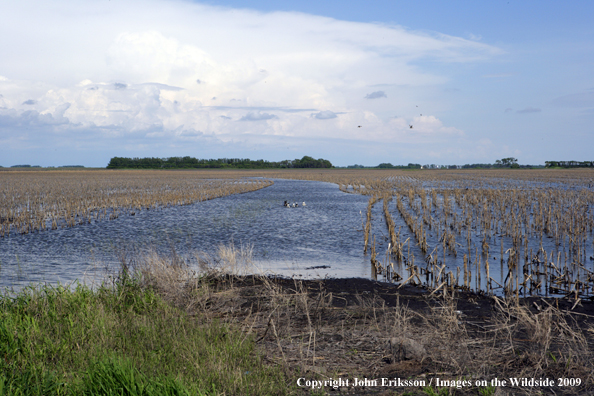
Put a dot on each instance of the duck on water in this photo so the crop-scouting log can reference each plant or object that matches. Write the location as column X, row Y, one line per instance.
column 292, row 205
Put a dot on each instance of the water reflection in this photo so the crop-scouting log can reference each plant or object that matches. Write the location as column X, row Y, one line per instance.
column 285, row 240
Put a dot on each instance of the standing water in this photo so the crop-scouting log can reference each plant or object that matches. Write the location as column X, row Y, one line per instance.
column 325, row 234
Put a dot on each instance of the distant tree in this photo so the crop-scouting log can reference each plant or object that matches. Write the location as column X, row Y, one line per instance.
column 385, row 165
column 309, row 162
column 569, row 164
column 476, row 166
column 507, row 163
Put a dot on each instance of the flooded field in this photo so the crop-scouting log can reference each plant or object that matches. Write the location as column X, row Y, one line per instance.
column 318, row 239
column 509, row 232
column 504, row 236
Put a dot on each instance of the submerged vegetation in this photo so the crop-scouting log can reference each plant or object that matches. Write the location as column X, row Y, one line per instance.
column 163, row 327
column 503, row 231
column 33, row 201
column 450, row 229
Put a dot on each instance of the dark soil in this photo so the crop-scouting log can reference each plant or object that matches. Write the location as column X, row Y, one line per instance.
column 345, row 328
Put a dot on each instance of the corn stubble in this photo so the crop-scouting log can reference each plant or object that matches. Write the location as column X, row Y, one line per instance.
column 311, row 331
column 534, row 229
column 32, row 201
column 542, row 220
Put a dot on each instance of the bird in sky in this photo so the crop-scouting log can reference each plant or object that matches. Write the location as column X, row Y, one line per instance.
column 359, row 126
column 410, row 126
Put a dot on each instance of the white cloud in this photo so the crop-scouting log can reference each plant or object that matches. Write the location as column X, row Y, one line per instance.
column 423, row 128
column 154, row 68
column 257, row 116
column 376, row 95
column 325, row 115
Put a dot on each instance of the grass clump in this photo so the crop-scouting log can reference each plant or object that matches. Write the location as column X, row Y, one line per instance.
column 122, row 339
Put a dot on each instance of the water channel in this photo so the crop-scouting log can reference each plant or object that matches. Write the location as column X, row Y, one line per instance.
column 286, row 241
column 323, row 238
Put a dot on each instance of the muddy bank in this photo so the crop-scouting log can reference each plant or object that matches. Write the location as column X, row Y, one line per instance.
column 358, row 328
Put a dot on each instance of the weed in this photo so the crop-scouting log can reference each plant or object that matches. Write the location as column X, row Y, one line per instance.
column 122, row 336
column 487, row 391
column 430, row 391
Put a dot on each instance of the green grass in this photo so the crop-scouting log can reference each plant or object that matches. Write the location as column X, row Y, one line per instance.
column 122, row 340
column 430, row 391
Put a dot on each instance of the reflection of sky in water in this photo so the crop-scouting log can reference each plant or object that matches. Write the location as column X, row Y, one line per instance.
column 562, row 255
column 285, row 240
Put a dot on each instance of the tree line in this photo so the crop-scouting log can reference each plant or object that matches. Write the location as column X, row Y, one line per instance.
column 509, row 162
column 569, row 164
column 231, row 163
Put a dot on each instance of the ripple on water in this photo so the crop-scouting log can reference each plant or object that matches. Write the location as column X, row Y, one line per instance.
column 285, row 240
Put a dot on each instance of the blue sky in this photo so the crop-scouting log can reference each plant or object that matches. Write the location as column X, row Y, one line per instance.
column 81, row 82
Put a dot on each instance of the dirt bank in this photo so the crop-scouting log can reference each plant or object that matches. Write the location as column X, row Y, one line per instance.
column 358, row 328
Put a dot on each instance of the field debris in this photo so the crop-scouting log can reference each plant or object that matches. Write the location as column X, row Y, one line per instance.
column 328, row 328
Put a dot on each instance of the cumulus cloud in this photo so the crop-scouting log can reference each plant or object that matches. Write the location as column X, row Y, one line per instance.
column 324, row 115
column 33, row 118
column 528, row 110
column 155, row 68
column 163, row 87
column 257, row 116
column 376, row 95
column 430, row 126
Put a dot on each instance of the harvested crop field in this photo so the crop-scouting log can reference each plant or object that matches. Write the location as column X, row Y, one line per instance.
column 32, row 201
column 476, row 276
column 322, row 330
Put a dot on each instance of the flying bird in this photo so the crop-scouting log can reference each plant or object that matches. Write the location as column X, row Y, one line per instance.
column 410, row 126
column 359, row 126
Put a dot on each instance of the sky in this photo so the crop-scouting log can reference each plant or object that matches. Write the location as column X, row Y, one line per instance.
column 354, row 82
